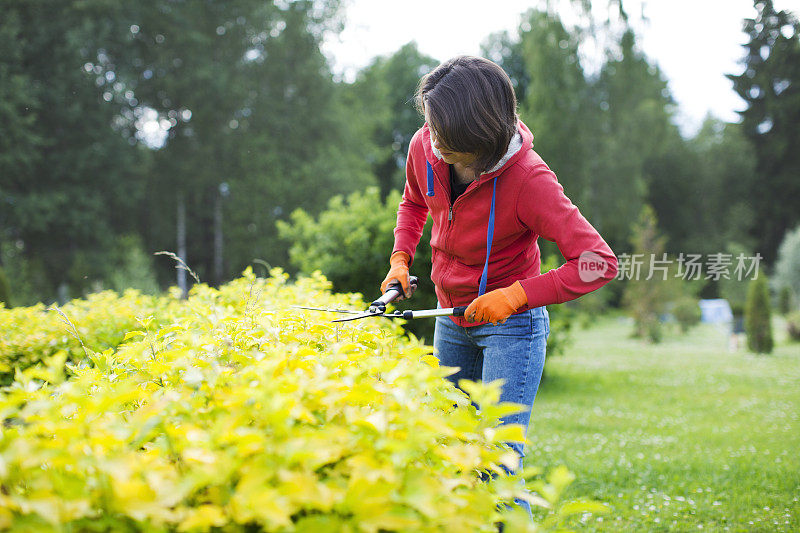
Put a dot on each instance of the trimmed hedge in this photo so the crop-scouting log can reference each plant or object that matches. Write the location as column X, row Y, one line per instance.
column 233, row 410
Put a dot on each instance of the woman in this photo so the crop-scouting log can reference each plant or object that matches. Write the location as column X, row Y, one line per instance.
column 473, row 169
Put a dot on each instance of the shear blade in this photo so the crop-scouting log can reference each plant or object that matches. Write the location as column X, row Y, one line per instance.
column 347, row 311
column 366, row 314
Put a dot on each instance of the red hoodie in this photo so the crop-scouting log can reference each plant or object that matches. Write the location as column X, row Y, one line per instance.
column 529, row 202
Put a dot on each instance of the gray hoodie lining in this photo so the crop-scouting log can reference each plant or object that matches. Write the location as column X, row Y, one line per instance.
column 513, row 147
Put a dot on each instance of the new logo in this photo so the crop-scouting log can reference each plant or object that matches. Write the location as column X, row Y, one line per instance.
column 591, row 266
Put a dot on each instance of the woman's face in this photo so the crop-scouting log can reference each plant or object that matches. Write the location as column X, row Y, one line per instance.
column 449, row 156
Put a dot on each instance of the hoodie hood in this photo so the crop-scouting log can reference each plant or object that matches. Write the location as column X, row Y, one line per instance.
column 521, row 140
column 514, row 146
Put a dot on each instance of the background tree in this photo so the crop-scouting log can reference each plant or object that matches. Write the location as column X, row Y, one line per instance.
column 757, row 317
column 381, row 103
column 770, row 86
column 555, row 103
column 247, row 101
column 732, row 288
column 714, row 212
column 301, row 147
column 67, row 184
column 122, row 112
column 793, row 326
column 787, row 267
column 636, row 129
column 646, row 299
column 785, row 301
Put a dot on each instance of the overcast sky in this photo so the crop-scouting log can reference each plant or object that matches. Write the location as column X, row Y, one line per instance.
column 694, row 42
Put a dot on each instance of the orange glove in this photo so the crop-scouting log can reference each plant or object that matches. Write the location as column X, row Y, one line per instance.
column 497, row 305
column 398, row 272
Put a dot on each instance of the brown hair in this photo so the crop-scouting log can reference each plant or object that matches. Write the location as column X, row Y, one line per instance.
column 471, row 107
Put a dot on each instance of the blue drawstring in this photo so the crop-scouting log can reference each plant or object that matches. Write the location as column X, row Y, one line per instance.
column 489, row 237
column 430, row 179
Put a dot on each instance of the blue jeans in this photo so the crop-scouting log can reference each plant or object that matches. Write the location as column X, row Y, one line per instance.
column 513, row 351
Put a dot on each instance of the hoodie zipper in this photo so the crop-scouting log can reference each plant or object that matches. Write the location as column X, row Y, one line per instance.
column 451, row 207
column 465, row 193
column 451, row 217
column 450, row 257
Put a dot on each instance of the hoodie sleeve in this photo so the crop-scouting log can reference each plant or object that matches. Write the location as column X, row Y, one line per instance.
column 545, row 209
column 412, row 211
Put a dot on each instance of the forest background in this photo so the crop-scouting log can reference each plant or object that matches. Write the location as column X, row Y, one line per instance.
column 218, row 131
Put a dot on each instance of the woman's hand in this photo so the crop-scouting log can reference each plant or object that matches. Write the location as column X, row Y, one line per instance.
column 398, row 272
column 497, row 305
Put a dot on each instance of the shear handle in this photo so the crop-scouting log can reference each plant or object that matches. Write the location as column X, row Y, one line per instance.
column 432, row 313
column 393, row 291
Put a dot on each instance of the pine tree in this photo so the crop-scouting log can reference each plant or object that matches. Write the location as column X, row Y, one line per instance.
column 757, row 320
column 646, row 299
column 556, row 105
column 770, row 85
column 785, row 300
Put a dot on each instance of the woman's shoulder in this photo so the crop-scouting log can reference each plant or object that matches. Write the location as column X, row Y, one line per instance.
column 419, row 149
column 415, row 147
column 531, row 167
column 416, row 139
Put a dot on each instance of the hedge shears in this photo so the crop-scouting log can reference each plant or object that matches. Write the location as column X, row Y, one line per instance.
column 378, row 307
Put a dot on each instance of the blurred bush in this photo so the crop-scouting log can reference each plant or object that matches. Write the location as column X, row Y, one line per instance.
column 785, row 301
column 686, row 311
column 787, row 267
column 133, row 267
column 350, row 243
column 5, row 289
column 589, row 306
column 25, row 275
column 793, row 325
column 562, row 318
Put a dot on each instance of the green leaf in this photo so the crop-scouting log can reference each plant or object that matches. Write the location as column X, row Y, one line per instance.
column 132, row 334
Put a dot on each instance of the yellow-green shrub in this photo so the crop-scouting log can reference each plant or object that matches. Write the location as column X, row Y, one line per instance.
column 241, row 412
column 29, row 335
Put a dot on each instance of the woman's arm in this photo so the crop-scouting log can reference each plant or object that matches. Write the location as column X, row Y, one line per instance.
column 590, row 263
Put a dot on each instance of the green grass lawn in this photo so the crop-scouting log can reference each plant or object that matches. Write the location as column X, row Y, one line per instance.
column 679, row 436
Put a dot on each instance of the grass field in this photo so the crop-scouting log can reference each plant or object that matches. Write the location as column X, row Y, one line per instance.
column 680, row 436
